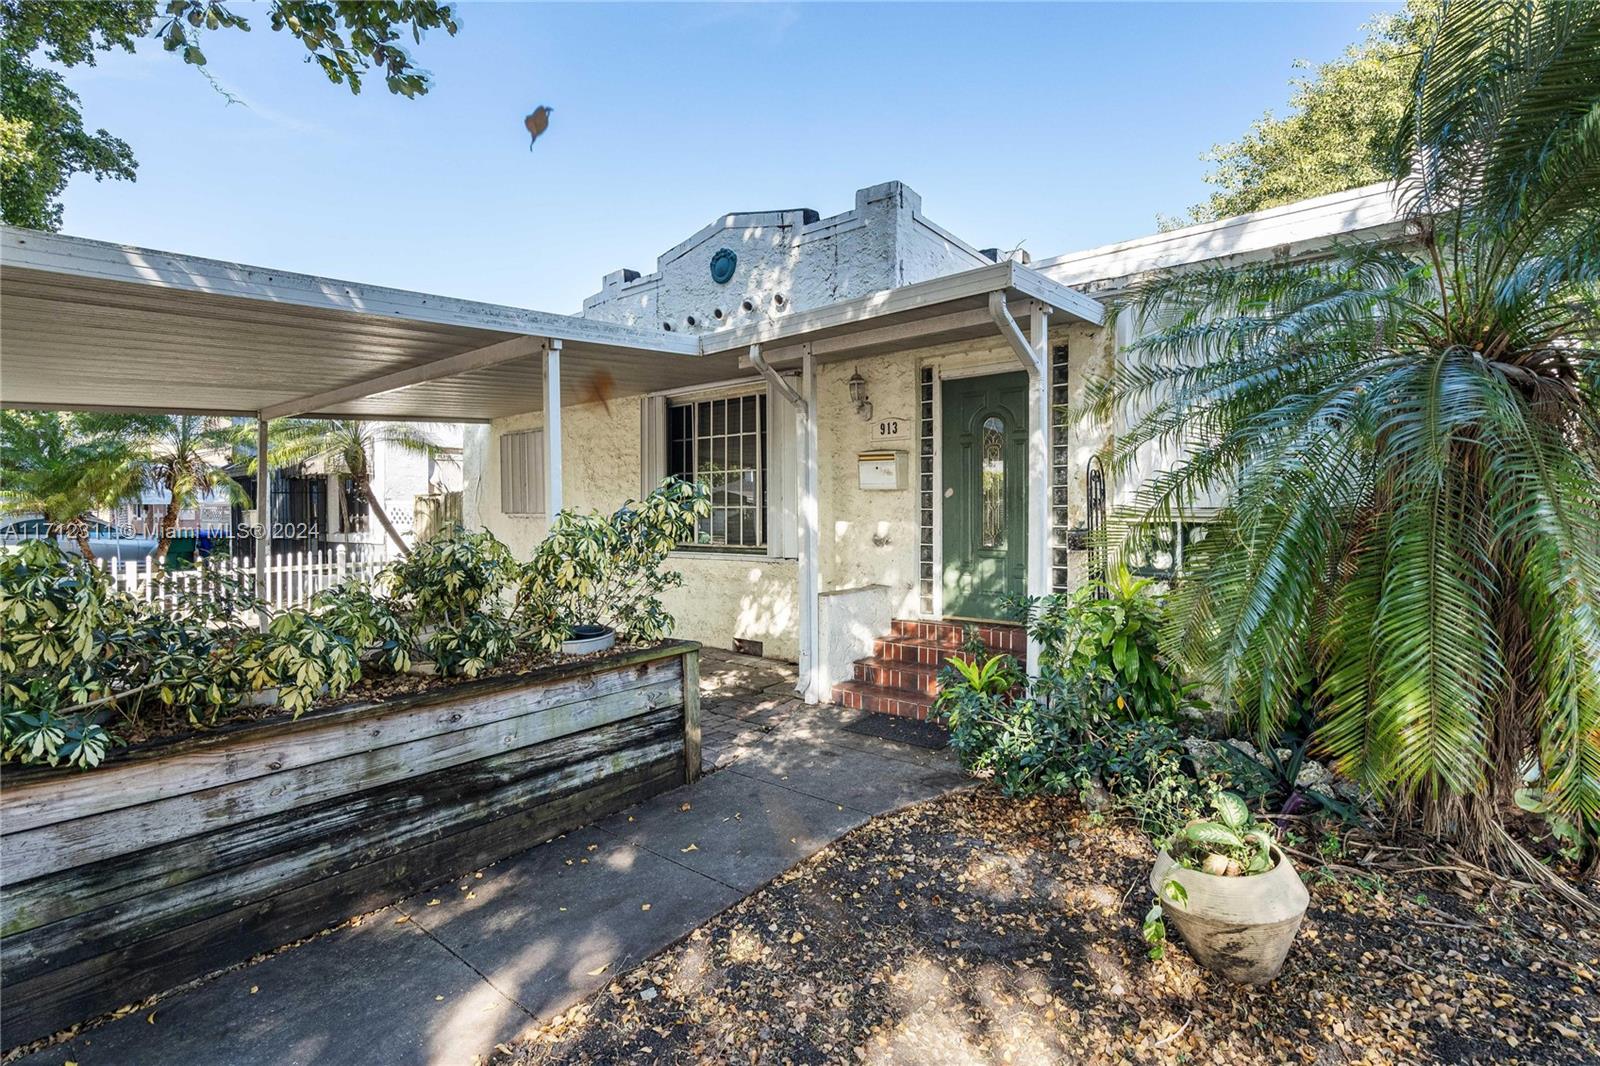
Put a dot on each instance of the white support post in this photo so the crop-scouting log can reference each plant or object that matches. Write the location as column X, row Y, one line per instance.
column 1034, row 355
column 1039, row 468
column 552, row 429
column 810, row 642
column 263, row 506
column 809, row 686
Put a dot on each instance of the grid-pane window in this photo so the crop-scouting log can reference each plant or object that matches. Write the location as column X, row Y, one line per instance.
column 722, row 444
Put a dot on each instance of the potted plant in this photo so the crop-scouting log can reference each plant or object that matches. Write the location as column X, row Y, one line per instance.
column 597, row 577
column 1232, row 893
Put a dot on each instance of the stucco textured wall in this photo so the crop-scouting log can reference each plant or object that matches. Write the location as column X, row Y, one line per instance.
column 787, row 261
column 723, row 597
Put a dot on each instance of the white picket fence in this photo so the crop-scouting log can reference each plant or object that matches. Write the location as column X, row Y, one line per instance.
column 292, row 577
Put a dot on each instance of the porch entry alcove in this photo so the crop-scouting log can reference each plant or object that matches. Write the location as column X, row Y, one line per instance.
column 177, row 859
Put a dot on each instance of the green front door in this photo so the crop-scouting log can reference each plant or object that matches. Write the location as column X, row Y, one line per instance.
column 985, row 467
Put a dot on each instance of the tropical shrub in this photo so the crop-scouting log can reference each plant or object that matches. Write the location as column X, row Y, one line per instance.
column 450, row 575
column 1408, row 435
column 380, row 634
column 468, row 647
column 1109, row 636
column 55, row 611
column 302, row 657
column 449, row 591
column 593, row 569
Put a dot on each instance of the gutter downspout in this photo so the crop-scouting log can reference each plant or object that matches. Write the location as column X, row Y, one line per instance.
column 1033, row 355
column 808, row 686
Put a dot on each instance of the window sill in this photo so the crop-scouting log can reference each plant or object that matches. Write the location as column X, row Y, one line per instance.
column 731, row 556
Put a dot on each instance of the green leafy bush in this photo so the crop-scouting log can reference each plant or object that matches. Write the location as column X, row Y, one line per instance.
column 594, row 569
column 469, row 647
column 380, row 633
column 1108, row 637
column 449, row 591
column 302, row 657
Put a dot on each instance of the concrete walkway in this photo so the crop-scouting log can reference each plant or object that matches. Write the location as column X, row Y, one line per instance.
column 443, row 976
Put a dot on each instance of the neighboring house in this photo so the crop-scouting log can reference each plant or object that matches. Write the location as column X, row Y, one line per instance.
column 922, row 488
column 313, row 509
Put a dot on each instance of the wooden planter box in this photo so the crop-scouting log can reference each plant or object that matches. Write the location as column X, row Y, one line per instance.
column 180, row 858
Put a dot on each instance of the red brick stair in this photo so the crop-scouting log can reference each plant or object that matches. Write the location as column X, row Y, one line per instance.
column 901, row 676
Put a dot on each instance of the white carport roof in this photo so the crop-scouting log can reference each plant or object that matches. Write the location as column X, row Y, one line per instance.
column 91, row 325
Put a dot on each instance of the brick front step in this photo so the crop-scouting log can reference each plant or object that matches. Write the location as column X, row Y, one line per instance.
column 897, row 674
column 928, row 653
column 996, row 636
column 862, row 697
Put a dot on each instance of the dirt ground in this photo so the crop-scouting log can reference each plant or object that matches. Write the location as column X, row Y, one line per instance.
column 980, row 929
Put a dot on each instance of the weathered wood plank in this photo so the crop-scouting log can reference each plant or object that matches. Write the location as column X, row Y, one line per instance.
column 63, row 996
column 44, row 850
column 38, row 800
column 241, row 863
column 691, row 716
column 77, row 913
column 97, row 932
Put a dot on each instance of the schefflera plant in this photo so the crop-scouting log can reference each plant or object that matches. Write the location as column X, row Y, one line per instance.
column 303, row 658
column 450, row 589
column 610, row 570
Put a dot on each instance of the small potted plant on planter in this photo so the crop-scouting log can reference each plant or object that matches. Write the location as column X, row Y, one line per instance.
column 597, row 578
column 1232, row 893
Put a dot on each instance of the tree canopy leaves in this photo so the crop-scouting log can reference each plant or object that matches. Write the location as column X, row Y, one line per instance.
column 1339, row 132
column 43, row 141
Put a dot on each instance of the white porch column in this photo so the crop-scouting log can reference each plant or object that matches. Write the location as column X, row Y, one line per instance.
column 810, row 643
column 263, row 505
column 552, row 429
column 1039, row 466
column 809, row 685
column 1034, row 355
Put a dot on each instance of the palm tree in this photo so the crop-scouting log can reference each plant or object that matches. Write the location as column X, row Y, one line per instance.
column 1408, row 435
column 186, row 455
column 345, row 447
column 52, row 464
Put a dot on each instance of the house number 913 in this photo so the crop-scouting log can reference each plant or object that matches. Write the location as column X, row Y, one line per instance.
column 889, row 429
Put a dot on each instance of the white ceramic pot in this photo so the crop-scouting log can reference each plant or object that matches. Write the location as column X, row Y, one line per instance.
column 586, row 639
column 1239, row 927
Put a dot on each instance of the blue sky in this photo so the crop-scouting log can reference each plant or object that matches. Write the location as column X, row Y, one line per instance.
column 1062, row 126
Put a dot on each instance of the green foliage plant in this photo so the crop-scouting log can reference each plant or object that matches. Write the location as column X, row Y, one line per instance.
column 595, row 569
column 1407, row 432
column 1109, row 636
column 54, row 610
column 303, row 658
column 450, row 590
column 357, row 609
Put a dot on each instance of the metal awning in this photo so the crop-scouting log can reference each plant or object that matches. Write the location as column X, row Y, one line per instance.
column 91, row 325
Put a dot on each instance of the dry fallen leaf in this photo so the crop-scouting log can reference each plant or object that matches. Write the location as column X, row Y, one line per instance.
column 691, row 847
column 601, row 970
column 433, row 903
column 644, row 906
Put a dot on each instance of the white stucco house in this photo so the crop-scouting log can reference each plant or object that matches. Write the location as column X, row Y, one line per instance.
column 947, row 475
column 877, row 405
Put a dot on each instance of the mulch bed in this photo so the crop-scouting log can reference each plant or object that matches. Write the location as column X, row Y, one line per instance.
column 979, row 929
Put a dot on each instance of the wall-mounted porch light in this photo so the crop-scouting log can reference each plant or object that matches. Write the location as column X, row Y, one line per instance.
column 858, row 396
